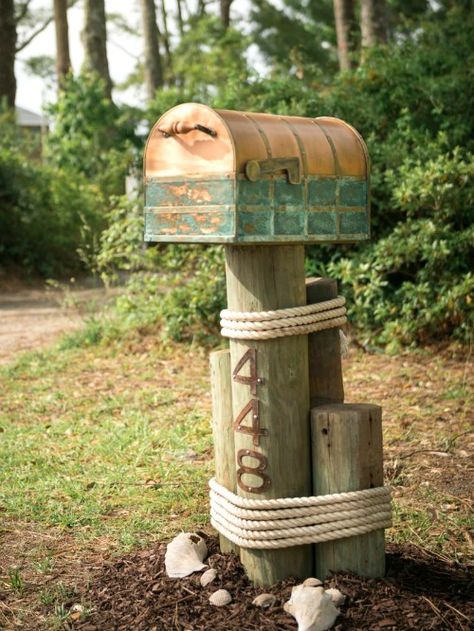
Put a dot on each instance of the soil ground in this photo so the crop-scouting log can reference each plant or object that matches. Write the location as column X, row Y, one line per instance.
column 32, row 318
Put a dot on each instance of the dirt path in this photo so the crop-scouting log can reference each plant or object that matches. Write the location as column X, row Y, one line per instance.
column 31, row 319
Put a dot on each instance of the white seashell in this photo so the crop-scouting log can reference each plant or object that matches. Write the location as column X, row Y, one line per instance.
column 264, row 600
column 337, row 597
column 312, row 608
column 208, row 577
column 312, row 582
column 220, row 598
column 184, row 555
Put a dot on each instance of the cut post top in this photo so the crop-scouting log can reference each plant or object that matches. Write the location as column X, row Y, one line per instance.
column 219, row 176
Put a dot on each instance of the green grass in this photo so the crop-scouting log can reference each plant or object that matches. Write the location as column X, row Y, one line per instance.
column 114, row 442
column 105, row 447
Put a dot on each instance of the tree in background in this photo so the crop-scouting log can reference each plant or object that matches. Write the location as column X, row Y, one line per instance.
column 346, row 28
column 8, row 39
column 373, row 22
column 63, row 60
column 225, row 12
column 153, row 67
column 166, row 39
column 94, row 37
column 296, row 39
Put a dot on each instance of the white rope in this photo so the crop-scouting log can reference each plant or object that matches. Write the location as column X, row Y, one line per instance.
column 263, row 325
column 290, row 521
column 258, row 316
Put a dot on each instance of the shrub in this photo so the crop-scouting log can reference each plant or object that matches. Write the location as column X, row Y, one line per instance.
column 45, row 216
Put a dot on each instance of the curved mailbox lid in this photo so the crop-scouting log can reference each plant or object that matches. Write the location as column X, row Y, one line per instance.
column 208, row 172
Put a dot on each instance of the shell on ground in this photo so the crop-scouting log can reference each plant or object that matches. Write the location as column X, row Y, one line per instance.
column 313, row 582
column 185, row 555
column 337, row 597
column 264, row 600
column 208, row 576
column 220, row 598
column 312, row 608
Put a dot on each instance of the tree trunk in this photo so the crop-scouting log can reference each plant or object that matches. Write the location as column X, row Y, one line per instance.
column 346, row 25
column 180, row 17
column 94, row 37
column 63, row 61
column 166, row 36
column 153, row 67
column 225, row 12
column 7, row 52
column 373, row 22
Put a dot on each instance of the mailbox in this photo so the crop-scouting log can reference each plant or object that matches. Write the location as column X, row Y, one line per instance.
column 219, row 176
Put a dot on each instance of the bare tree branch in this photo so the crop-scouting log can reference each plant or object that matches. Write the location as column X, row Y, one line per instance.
column 21, row 45
column 23, row 11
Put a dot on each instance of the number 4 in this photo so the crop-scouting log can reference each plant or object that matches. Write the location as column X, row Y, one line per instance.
column 255, row 430
column 252, row 380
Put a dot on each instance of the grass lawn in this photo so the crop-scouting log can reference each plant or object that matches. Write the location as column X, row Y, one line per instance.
column 108, row 448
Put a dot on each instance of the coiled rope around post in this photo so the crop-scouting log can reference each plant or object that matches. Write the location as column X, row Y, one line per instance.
column 262, row 325
column 293, row 521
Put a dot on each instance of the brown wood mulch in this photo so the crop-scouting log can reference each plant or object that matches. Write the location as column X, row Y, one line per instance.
column 420, row 591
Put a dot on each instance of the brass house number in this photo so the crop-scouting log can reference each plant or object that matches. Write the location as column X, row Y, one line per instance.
column 254, row 430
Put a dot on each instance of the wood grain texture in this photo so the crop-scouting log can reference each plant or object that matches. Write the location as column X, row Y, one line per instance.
column 221, row 390
column 259, row 279
column 324, row 350
column 347, row 456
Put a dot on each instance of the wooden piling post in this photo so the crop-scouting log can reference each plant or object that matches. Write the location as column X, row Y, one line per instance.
column 277, row 448
column 223, row 432
column 324, row 350
column 347, row 456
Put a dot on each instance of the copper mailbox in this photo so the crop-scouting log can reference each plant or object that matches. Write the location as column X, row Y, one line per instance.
column 219, row 176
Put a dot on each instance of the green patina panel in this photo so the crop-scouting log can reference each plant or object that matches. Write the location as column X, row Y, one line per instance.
column 254, row 223
column 287, row 194
column 254, row 193
column 196, row 222
column 289, row 223
column 189, row 193
column 322, row 223
column 322, row 192
column 267, row 211
column 352, row 192
column 354, row 222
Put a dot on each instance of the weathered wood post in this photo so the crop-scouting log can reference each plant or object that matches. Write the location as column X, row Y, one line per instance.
column 276, row 437
column 222, row 428
column 263, row 186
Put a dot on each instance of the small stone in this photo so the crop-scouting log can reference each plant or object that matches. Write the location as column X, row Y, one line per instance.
column 312, row 582
column 208, row 576
column 264, row 600
column 220, row 598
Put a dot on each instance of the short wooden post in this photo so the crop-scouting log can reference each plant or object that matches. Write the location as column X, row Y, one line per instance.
column 275, row 453
column 221, row 390
column 324, row 350
column 347, row 456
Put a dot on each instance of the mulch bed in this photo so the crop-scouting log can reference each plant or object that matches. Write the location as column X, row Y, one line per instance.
column 420, row 592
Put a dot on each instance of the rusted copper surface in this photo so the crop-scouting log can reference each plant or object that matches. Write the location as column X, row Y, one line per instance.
column 178, row 146
column 258, row 471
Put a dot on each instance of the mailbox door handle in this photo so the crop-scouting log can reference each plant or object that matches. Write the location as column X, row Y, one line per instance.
column 255, row 169
column 181, row 127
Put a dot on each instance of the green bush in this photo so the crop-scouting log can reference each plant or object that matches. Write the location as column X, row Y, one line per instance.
column 45, row 216
column 91, row 136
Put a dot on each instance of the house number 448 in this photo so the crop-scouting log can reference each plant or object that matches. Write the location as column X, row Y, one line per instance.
column 253, row 429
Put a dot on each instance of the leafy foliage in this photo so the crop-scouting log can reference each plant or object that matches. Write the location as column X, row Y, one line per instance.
column 91, row 135
column 43, row 211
